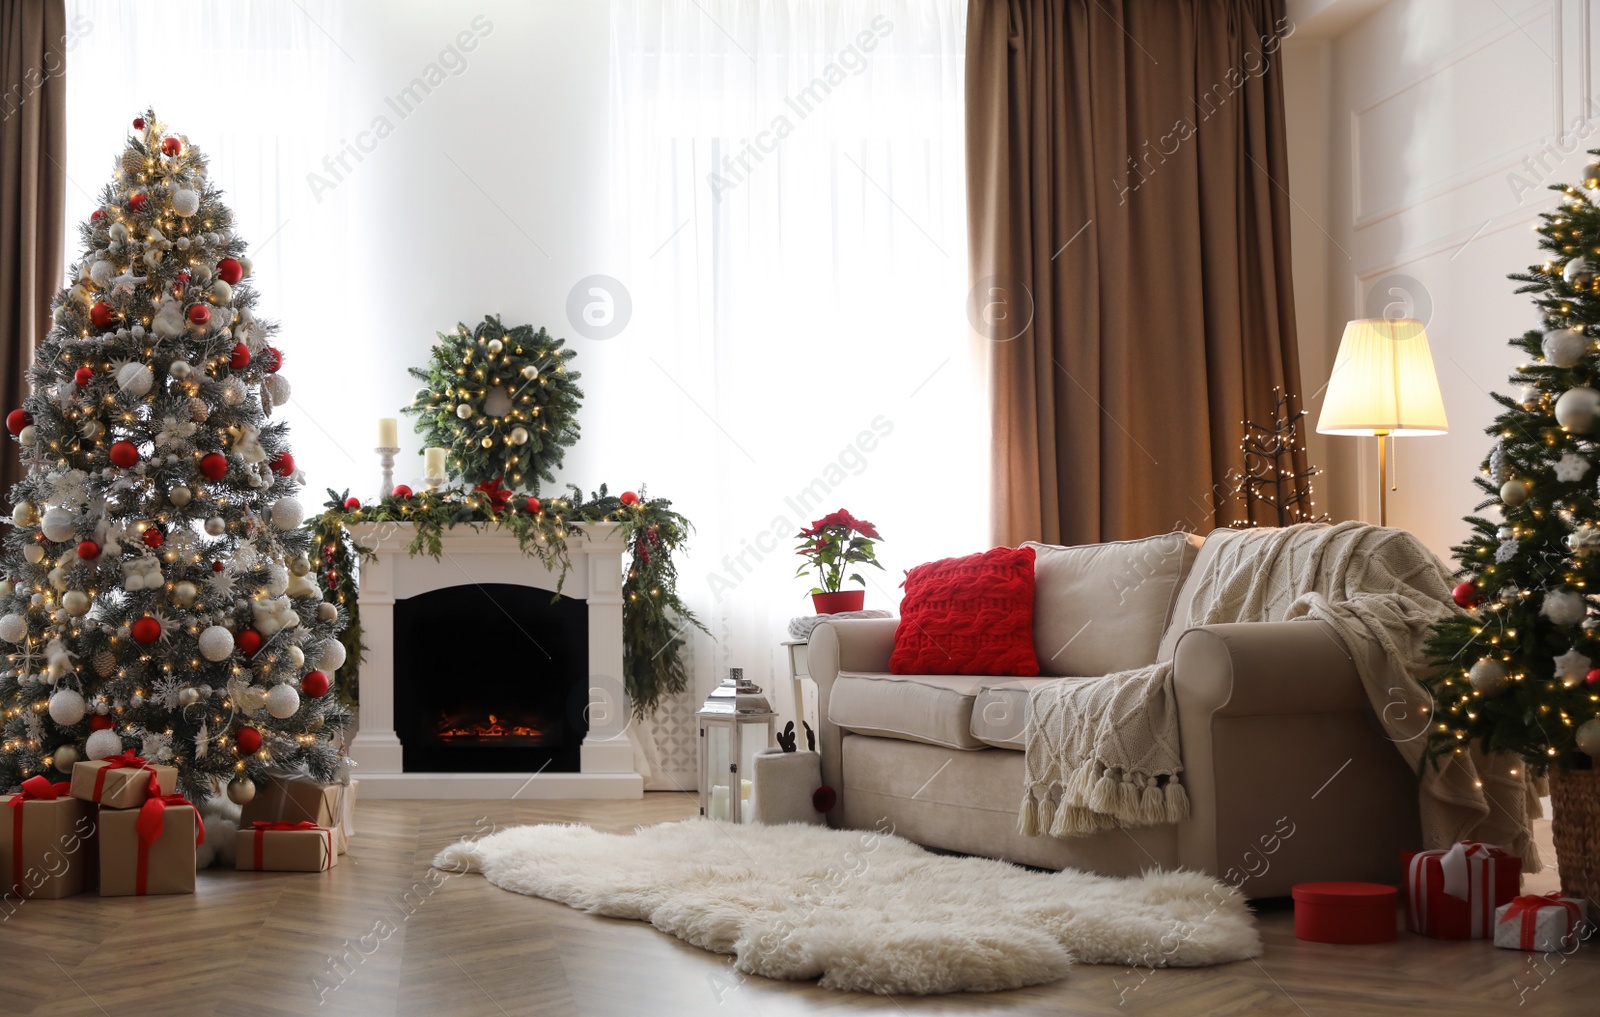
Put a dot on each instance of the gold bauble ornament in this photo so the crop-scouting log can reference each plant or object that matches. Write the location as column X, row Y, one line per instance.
column 241, row 790
column 1514, row 492
column 1489, row 678
column 1588, row 736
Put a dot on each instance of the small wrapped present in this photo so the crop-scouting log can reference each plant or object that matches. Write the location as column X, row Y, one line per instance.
column 122, row 782
column 149, row 850
column 47, row 841
column 1547, row 923
column 1453, row 894
column 285, row 847
column 299, row 798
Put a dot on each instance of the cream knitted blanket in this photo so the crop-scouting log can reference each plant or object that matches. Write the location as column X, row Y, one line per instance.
column 1104, row 751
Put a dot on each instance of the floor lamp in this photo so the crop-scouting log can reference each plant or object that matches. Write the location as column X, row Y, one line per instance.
column 1383, row 385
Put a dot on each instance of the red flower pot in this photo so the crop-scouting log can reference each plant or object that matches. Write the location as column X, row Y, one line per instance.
column 844, row 600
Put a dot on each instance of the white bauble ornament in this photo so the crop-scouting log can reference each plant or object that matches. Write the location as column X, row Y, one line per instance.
column 1489, row 677
column 464, row 411
column 56, row 524
column 530, row 372
column 216, row 643
column 13, row 628
column 103, row 745
column 182, row 243
column 295, row 656
column 333, row 656
column 220, row 291
column 519, row 436
column 75, row 602
column 1577, row 408
column 287, row 514
column 1564, row 607
column 1531, row 398
column 299, row 565
column 135, row 379
column 67, row 707
column 233, row 392
column 180, row 369
column 497, row 403
column 180, row 496
column 216, row 526
column 1564, row 347
column 278, row 387
column 28, row 437
column 245, row 266
column 65, row 757
column 102, row 272
column 1588, row 737
column 24, row 514
column 283, row 702
column 185, row 202
column 241, row 790
column 495, row 346
column 33, row 554
column 1513, row 492
column 1579, row 273
column 327, row 612
column 184, row 594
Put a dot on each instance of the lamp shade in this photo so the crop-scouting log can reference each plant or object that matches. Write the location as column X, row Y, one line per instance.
column 1383, row 382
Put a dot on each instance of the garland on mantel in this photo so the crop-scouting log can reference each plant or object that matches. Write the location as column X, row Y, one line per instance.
column 654, row 618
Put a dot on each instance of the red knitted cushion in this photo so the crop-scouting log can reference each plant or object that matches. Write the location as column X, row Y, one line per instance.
column 971, row 615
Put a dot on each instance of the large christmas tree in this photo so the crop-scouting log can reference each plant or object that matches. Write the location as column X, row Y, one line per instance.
column 157, row 592
column 1517, row 672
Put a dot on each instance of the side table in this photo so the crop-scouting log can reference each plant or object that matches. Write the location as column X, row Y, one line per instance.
column 801, row 685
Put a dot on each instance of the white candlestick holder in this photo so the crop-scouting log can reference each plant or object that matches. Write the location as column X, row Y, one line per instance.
column 386, row 462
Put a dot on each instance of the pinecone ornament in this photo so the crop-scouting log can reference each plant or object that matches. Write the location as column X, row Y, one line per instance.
column 132, row 161
column 105, row 662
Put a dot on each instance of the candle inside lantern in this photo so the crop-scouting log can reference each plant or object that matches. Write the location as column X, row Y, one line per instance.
column 433, row 463
column 388, row 432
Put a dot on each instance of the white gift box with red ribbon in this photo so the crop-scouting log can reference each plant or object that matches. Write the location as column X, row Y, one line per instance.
column 1547, row 923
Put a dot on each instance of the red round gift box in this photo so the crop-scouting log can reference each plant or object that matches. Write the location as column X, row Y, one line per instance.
column 1344, row 912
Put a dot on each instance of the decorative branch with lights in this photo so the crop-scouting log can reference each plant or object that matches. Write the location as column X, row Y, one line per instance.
column 157, row 592
column 1516, row 673
column 1273, row 476
column 654, row 619
column 502, row 400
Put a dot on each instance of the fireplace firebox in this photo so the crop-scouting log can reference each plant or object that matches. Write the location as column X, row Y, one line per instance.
column 517, row 707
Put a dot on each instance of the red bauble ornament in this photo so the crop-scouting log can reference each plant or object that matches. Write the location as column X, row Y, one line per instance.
column 82, row 376
column 1593, row 677
column 824, row 798
column 534, row 506
column 171, row 146
column 352, row 503
column 217, row 566
column 214, row 466
column 247, row 740
column 248, row 641
column 124, row 454
column 241, row 357
column 101, row 314
column 88, row 550
column 17, row 419
column 402, row 491
column 271, row 360
column 283, row 464
column 1465, row 594
column 97, row 215
column 315, row 684
column 153, row 537
column 229, row 271
column 138, row 123
column 138, row 202
column 146, row 630
column 101, row 722
column 629, row 498
column 199, row 314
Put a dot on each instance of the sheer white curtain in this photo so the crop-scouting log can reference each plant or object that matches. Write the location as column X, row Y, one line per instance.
column 256, row 84
column 788, row 218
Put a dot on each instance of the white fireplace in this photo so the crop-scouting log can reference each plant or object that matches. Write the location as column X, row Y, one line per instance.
column 481, row 559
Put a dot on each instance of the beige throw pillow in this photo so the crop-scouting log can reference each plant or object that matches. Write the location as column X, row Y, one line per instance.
column 1100, row 608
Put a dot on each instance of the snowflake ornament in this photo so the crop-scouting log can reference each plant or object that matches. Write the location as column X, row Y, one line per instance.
column 1507, row 551
column 1571, row 667
column 1571, row 468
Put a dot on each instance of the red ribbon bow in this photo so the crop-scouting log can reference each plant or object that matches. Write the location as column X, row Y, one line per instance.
column 152, row 817
column 497, row 495
column 126, row 761
column 304, row 824
column 1527, row 908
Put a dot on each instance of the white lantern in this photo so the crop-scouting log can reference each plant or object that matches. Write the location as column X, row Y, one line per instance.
column 736, row 722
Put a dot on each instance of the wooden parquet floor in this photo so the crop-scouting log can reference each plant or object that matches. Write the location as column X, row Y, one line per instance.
column 380, row 935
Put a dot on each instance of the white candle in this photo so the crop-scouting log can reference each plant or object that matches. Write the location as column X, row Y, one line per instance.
column 388, row 432
column 433, row 462
column 719, row 801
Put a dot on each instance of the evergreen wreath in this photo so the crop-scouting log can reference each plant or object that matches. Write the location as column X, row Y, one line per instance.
column 502, row 401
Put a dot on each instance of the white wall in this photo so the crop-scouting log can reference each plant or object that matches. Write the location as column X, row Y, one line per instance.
column 1441, row 122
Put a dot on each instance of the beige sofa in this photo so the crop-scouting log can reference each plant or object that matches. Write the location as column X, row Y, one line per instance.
column 1289, row 776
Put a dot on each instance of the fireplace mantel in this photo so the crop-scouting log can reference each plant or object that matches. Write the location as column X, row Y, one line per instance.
column 491, row 555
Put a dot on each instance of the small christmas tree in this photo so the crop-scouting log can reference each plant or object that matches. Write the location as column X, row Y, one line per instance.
column 1272, row 478
column 156, row 593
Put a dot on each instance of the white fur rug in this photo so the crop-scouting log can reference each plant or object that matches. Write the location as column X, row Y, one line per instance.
column 865, row 911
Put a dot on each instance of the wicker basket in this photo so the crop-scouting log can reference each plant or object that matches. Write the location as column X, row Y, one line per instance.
column 1575, row 798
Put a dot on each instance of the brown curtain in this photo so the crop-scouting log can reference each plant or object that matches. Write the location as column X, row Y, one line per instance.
column 1129, row 233
column 33, row 155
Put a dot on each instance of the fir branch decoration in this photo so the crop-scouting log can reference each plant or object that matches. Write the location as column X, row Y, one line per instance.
column 655, row 619
column 502, row 400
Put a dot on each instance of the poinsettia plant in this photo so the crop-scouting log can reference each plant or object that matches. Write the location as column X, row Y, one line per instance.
column 833, row 544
